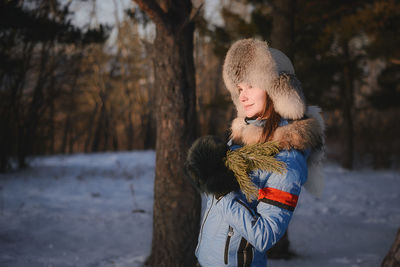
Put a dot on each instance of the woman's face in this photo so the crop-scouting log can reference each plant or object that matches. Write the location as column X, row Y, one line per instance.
column 252, row 100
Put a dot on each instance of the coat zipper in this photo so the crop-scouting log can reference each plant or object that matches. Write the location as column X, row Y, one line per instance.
column 228, row 240
column 246, row 250
column 204, row 221
column 248, row 247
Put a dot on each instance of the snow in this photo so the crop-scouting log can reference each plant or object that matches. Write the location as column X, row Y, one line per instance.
column 96, row 210
column 353, row 224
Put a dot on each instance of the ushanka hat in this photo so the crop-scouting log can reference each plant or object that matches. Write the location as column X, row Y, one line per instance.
column 255, row 63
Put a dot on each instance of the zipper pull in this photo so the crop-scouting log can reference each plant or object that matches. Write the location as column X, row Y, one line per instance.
column 230, row 232
column 228, row 240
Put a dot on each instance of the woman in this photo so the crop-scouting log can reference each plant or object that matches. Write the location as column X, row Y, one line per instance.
column 237, row 230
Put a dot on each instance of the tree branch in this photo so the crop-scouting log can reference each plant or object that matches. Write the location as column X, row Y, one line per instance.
column 196, row 11
column 192, row 17
column 154, row 11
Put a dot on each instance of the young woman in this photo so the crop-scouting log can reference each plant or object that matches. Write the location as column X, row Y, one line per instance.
column 235, row 230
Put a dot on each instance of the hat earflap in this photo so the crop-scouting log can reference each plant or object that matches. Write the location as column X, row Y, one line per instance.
column 287, row 96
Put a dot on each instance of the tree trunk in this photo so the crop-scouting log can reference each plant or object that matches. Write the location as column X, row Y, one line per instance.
column 29, row 130
column 114, row 135
column 281, row 249
column 176, row 205
column 282, row 35
column 11, row 109
column 99, row 132
column 129, row 131
column 51, row 149
column 176, row 211
column 392, row 259
column 10, row 121
column 149, row 127
column 282, row 38
column 347, row 99
column 66, row 131
column 90, row 126
column 150, row 132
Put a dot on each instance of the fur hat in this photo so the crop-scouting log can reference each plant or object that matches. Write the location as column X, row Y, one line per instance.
column 255, row 63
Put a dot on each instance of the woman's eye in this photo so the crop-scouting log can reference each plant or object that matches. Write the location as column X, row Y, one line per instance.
column 250, row 86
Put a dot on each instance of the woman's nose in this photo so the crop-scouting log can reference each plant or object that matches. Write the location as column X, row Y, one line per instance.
column 242, row 96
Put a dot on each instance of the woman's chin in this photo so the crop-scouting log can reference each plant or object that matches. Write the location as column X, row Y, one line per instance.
column 251, row 115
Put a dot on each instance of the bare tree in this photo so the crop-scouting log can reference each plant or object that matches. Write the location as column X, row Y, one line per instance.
column 176, row 212
column 392, row 259
column 347, row 94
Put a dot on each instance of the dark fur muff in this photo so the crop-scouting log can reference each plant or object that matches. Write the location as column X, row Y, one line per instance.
column 205, row 166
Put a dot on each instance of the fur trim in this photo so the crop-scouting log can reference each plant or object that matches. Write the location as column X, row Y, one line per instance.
column 301, row 134
column 287, row 95
column 253, row 62
column 316, row 179
column 247, row 134
column 307, row 133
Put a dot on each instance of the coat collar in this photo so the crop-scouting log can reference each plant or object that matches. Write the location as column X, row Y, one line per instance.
column 306, row 133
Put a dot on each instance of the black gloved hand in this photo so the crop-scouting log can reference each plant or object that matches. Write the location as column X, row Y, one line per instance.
column 205, row 167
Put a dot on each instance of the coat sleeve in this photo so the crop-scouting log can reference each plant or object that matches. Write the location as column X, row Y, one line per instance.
column 277, row 199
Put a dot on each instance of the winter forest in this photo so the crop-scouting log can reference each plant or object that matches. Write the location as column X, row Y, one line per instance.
column 101, row 100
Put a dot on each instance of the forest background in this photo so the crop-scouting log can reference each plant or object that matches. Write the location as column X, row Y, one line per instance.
column 68, row 88
column 150, row 78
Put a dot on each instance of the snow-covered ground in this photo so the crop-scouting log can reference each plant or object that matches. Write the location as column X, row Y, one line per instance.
column 96, row 210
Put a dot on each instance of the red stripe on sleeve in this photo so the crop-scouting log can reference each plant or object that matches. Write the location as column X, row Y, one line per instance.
column 278, row 195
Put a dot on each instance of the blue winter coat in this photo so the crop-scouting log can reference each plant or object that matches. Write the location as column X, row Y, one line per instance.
column 235, row 232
